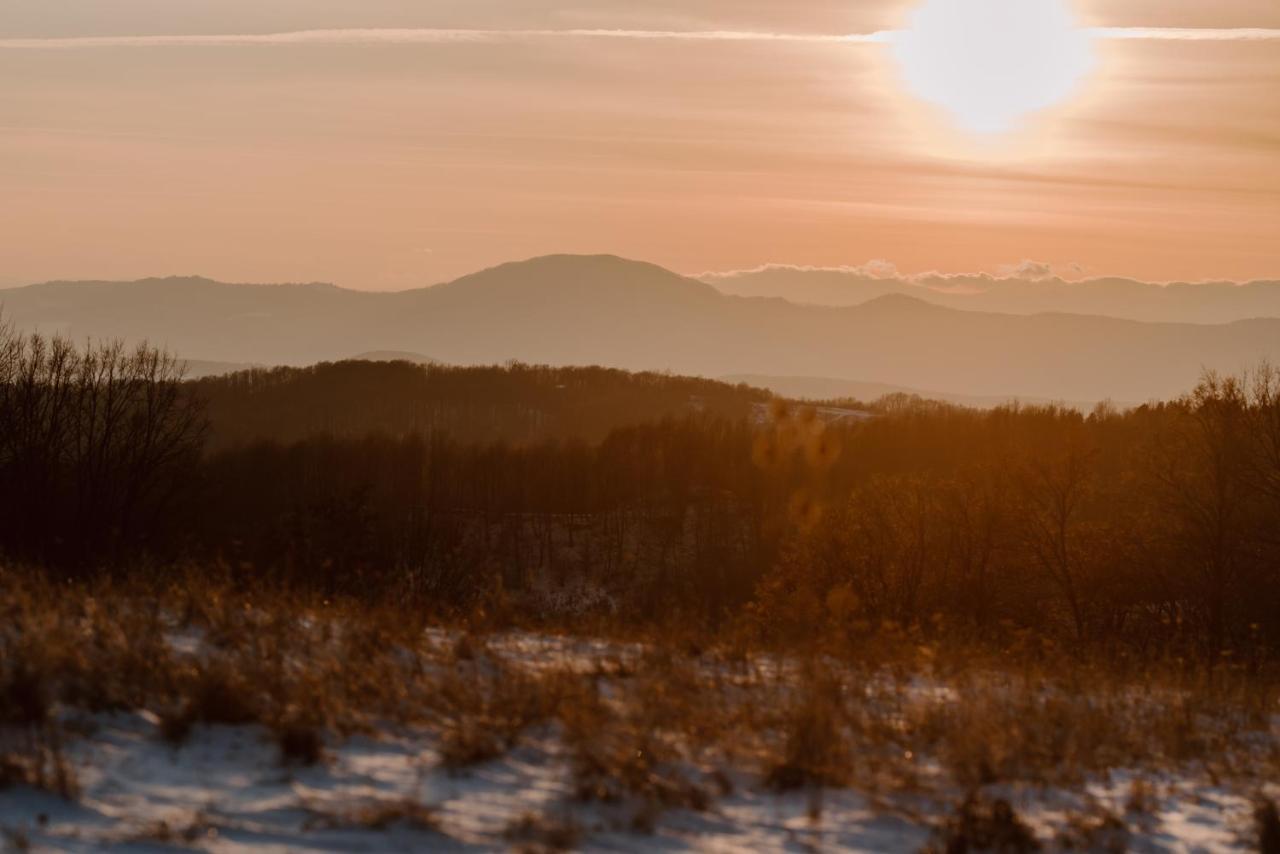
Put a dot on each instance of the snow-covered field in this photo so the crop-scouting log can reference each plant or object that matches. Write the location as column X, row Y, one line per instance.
column 225, row 788
column 226, row 791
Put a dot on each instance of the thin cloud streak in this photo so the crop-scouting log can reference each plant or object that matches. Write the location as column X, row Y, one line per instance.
column 357, row 37
column 423, row 36
column 1188, row 34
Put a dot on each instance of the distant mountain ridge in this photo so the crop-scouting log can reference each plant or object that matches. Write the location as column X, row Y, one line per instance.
column 576, row 310
column 1129, row 299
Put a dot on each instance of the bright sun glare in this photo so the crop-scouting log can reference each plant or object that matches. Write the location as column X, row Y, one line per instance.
column 991, row 62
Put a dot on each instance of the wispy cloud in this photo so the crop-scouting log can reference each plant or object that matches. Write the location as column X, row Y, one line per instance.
column 452, row 36
column 1187, row 34
column 424, row 36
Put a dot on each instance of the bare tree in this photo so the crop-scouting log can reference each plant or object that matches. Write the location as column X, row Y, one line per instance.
column 1054, row 529
column 89, row 439
column 1205, row 468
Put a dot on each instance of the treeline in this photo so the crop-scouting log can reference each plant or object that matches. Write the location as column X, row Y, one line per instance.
column 1155, row 527
column 517, row 403
column 657, row 516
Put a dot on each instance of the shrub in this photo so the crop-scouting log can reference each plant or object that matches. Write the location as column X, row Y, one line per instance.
column 300, row 742
column 816, row 750
column 215, row 694
column 488, row 707
column 982, row 825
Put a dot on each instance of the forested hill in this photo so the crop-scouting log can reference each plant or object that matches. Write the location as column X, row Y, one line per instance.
column 514, row 403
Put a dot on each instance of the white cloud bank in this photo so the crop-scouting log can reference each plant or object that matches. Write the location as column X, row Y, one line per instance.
column 1026, row 270
column 461, row 36
column 874, row 269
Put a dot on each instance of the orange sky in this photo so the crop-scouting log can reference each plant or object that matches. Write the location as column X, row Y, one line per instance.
column 385, row 165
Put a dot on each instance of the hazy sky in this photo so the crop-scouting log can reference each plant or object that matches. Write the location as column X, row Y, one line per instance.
column 392, row 160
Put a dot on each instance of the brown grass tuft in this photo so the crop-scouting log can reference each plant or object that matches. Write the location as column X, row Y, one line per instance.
column 982, row 825
column 383, row 815
column 816, row 748
column 535, row 834
column 214, row 694
column 488, row 707
column 615, row 758
column 466, row 743
column 1141, row 800
column 40, row 764
column 611, row 769
column 1103, row 833
column 1267, row 818
column 299, row 740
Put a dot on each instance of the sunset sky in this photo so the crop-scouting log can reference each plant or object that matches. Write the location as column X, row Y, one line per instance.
column 410, row 155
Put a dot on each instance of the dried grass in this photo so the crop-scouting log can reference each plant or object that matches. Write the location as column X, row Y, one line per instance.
column 647, row 732
column 37, row 761
column 381, row 815
column 984, row 825
column 537, row 833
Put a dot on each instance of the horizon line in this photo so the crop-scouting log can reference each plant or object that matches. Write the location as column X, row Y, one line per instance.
column 871, row 270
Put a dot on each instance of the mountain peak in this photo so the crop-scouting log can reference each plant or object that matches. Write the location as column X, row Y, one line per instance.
column 571, row 275
column 583, row 264
column 901, row 303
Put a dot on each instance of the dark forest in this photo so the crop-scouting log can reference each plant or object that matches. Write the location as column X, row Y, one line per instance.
column 570, row 493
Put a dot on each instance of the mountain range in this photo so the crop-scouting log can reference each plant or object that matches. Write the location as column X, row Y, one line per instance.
column 615, row 312
column 1175, row 302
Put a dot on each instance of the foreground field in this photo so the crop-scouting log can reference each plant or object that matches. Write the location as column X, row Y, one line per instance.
column 225, row 790
column 203, row 717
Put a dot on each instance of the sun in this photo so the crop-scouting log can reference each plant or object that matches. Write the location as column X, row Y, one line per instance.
column 989, row 63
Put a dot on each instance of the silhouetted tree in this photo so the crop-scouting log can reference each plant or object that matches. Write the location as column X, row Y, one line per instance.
column 94, row 442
